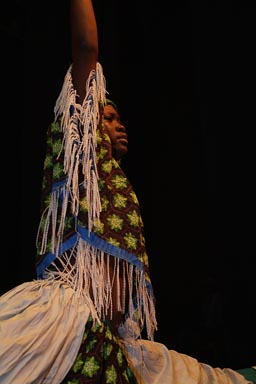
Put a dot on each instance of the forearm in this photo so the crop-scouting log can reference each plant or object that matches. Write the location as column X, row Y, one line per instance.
column 84, row 41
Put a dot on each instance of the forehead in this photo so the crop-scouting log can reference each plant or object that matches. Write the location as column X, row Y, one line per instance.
column 110, row 109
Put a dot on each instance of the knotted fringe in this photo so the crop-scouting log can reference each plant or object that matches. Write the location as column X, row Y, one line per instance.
column 87, row 270
column 79, row 140
column 79, row 125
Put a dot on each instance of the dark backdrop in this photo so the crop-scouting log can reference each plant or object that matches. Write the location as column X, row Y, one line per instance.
column 184, row 78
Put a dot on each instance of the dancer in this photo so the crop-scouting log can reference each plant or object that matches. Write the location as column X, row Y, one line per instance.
column 81, row 321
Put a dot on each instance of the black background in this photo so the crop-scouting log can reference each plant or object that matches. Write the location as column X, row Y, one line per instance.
column 183, row 75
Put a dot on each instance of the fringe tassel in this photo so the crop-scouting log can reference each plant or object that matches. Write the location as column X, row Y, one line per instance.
column 87, row 271
column 79, row 143
column 80, row 138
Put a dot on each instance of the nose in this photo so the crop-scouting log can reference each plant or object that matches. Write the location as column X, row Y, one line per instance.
column 120, row 128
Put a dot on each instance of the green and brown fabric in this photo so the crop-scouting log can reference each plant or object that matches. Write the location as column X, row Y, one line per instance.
column 100, row 360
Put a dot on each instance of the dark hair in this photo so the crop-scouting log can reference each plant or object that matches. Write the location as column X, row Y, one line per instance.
column 111, row 102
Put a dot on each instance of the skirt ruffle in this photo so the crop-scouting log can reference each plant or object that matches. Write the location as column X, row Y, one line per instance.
column 41, row 329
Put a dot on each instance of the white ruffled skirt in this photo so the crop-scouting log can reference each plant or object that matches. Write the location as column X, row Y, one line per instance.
column 41, row 328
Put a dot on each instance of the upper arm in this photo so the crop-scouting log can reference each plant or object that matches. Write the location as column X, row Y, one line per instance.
column 84, row 42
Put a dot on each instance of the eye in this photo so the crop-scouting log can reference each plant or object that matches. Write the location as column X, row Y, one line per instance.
column 108, row 118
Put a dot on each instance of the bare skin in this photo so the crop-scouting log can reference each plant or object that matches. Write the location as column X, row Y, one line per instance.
column 84, row 41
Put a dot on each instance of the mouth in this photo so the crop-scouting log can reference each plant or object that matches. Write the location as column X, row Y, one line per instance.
column 123, row 141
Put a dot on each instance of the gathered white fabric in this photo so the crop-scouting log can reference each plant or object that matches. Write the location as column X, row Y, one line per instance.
column 153, row 363
column 41, row 328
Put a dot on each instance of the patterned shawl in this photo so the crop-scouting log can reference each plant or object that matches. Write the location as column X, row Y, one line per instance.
column 90, row 212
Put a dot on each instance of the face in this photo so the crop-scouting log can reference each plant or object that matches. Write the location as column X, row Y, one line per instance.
column 116, row 131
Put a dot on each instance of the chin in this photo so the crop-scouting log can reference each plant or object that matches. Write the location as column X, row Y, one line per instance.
column 120, row 152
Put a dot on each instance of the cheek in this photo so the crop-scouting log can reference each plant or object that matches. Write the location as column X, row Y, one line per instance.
column 107, row 128
column 111, row 132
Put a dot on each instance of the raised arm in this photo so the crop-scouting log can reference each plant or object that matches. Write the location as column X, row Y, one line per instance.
column 84, row 42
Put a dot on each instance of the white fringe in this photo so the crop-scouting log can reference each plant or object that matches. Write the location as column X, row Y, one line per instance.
column 79, row 142
column 86, row 270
